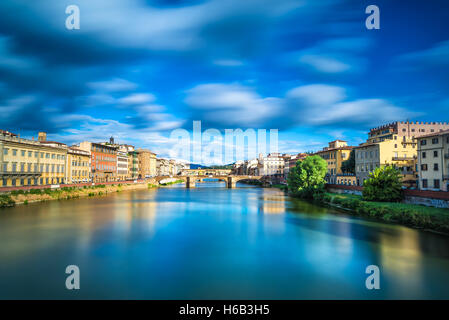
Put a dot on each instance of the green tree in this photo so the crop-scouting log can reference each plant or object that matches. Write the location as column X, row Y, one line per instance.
column 383, row 184
column 348, row 166
column 306, row 179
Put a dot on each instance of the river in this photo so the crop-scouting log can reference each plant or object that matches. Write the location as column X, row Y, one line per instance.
column 212, row 243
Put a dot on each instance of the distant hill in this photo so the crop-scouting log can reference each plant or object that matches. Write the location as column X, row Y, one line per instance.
column 196, row 166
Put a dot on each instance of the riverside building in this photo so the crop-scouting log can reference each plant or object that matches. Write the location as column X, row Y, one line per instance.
column 433, row 161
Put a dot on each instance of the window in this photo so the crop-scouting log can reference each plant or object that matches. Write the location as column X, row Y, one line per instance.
column 23, row 153
column 36, row 154
column 395, row 145
column 22, row 182
column 424, row 154
column 436, row 184
column 30, row 154
column 13, row 182
column 5, row 166
column 423, row 142
column 5, row 151
column 5, row 182
column 424, row 183
column 14, row 167
column 435, row 167
column 435, row 154
column 424, row 167
column 14, row 152
column 434, row 140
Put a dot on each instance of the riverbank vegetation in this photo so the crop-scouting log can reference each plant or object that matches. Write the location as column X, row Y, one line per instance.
column 306, row 179
column 383, row 184
column 36, row 195
column 172, row 182
column 412, row 215
column 381, row 197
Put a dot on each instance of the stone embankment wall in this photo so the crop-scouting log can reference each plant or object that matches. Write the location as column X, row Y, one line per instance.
column 439, row 199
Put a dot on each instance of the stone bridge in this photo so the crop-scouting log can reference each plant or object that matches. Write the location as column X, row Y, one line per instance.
column 190, row 181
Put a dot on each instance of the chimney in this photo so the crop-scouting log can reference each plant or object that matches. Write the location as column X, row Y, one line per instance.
column 42, row 136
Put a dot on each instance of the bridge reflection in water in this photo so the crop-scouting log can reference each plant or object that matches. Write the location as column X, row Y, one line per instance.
column 191, row 176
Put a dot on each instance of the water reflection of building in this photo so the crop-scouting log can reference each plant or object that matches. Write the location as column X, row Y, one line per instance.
column 273, row 202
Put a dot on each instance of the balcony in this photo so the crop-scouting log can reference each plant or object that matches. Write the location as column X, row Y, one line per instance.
column 403, row 158
column 20, row 173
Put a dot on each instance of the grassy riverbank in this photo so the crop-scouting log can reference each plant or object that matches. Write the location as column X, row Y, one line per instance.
column 36, row 195
column 172, row 182
column 416, row 216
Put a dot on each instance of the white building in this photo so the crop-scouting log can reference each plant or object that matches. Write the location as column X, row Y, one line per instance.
column 271, row 165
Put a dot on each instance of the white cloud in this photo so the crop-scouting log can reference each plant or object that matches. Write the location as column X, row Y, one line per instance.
column 324, row 105
column 137, row 98
column 232, row 104
column 113, row 85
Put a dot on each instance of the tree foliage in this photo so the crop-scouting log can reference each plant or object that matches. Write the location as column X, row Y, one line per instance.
column 306, row 179
column 348, row 166
column 384, row 184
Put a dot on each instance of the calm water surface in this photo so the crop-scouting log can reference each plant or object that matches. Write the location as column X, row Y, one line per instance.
column 212, row 243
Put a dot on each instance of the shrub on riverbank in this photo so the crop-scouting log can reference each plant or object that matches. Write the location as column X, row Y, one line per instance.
column 408, row 214
column 6, row 201
column 383, row 184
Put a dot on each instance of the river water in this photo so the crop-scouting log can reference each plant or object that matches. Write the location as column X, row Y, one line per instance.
column 212, row 243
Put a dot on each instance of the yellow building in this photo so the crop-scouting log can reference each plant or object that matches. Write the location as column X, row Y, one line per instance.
column 147, row 163
column 337, row 152
column 78, row 166
column 28, row 162
column 400, row 151
column 19, row 160
column 52, row 162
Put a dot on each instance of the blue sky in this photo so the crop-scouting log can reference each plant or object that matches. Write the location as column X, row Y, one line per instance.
column 138, row 69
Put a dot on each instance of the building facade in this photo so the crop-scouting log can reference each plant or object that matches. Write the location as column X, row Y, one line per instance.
column 78, row 166
column 396, row 150
column 19, row 160
column 162, row 167
column 271, row 165
column 433, row 161
column 122, row 163
column 405, row 128
column 103, row 161
column 337, row 152
column 147, row 163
